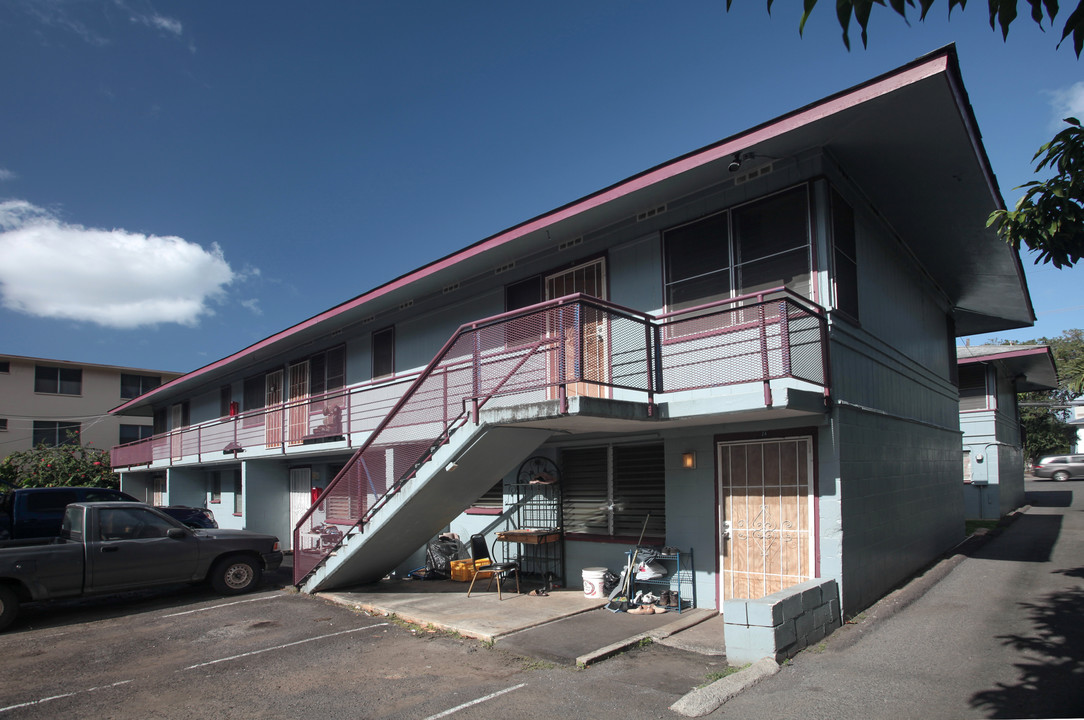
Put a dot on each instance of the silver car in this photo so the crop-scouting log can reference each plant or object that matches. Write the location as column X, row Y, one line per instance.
column 1060, row 467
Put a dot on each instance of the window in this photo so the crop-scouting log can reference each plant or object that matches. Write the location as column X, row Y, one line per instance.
column 134, row 433
column 159, row 421
column 610, row 491
column 523, row 293
column 5, row 367
column 493, row 498
column 253, row 398
column 3, row 424
column 55, row 433
column 238, row 498
column 517, row 296
column 225, row 397
column 973, row 387
column 49, row 502
column 57, row 380
column 216, row 487
column 844, row 256
column 131, row 524
column 757, row 246
column 327, row 371
column 132, row 386
column 383, row 352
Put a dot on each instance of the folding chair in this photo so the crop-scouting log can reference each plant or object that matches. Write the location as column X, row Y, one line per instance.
column 480, row 551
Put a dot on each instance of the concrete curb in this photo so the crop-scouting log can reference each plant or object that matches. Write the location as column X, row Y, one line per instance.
column 701, row 701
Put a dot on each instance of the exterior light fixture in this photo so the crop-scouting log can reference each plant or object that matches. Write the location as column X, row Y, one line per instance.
column 688, row 460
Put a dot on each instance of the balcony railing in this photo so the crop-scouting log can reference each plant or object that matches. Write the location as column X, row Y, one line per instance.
column 334, row 416
column 576, row 345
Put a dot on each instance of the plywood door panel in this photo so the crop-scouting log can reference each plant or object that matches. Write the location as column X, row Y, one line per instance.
column 273, row 405
column 766, row 543
column 585, row 344
column 298, row 413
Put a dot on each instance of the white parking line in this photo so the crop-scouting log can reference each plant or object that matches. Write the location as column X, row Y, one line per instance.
column 60, row 697
column 280, row 647
column 216, row 607
column 480, row 700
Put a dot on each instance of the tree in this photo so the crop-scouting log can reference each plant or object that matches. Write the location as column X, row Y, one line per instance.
column 64, row 465
column 1002, row 12
column 1049, row 219
column 1042, row 414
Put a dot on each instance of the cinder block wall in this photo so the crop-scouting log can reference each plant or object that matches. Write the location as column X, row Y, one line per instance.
column 780, row 624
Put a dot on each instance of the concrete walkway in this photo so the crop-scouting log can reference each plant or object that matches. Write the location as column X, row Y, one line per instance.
column 563, row 626
column 995, row 632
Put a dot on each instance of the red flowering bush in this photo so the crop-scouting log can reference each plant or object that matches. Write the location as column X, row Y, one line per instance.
column 66, row 465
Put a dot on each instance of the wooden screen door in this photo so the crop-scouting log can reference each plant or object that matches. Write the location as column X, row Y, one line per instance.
column 766, row 516
column 586, row 355
column 272, row 405
column 298, row 414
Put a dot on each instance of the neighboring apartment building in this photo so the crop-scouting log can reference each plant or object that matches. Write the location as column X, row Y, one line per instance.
column 990, row 378
column 58, row 401
column 746, row 353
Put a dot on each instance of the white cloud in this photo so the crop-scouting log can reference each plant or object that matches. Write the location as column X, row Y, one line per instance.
column 160, row 22
column 113, row 278
column 6, row 174
column 1067, row 102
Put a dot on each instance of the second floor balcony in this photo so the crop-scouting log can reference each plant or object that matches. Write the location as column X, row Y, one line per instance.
column 577, row 346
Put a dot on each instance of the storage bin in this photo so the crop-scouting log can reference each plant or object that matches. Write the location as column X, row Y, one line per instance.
column 463, row 570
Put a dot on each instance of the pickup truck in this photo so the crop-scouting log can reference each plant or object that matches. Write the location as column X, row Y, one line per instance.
column 110, row 547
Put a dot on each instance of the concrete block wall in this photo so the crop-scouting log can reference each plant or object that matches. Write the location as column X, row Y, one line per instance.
column 780, row 624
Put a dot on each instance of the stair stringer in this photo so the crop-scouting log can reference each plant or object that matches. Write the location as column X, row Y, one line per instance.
column 427, row 503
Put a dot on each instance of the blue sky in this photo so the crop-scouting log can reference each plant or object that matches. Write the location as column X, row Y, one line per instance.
column 181, row 179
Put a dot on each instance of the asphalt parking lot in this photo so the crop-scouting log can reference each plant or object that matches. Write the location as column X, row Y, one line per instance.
column 276, row 654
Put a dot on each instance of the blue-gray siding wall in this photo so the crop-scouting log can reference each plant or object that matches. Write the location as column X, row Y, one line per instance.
column 267, row 502
column 894, row 501
column 998, row 478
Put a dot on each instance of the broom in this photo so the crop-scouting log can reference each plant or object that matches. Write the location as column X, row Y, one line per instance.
column 619, row 597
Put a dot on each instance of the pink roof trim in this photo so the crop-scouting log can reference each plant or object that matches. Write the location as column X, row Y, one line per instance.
column 933, row 64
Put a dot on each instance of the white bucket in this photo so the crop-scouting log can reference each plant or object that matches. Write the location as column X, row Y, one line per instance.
column 592, row 582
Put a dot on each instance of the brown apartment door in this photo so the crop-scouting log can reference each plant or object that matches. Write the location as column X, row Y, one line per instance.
column 585, row 347
column 273, row 408
column 298, row 413
column 766, row 540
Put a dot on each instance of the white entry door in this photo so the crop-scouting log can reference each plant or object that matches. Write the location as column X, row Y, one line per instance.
column 300, row 495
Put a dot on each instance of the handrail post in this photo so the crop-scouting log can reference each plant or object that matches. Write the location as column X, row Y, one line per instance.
column 577, row 321
column 562, row 392
column 648, row 354
column 764, row 367
column 784, row 337
column 476, row 380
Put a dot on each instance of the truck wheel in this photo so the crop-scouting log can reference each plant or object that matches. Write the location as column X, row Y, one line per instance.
column 235, row 574
column 9, row 607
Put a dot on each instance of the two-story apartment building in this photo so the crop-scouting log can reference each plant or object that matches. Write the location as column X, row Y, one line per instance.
column 746, row 353
column 990, row 378
column 59, row 401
